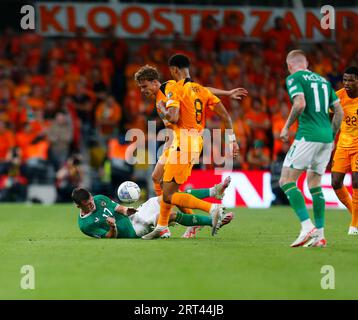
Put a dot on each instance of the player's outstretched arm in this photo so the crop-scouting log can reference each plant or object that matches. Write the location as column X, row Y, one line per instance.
column 237, row 93
column 112, row 233
column 299, row 105
column 337, row 117
column 126, row 211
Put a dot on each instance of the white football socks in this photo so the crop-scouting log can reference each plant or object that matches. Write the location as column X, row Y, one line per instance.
column 307, row 225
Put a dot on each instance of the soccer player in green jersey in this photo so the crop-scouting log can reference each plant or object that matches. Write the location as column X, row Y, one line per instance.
column 312, row 96
column 101, row 217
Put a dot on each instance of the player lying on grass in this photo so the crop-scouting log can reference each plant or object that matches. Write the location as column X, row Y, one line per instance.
column 100, row 217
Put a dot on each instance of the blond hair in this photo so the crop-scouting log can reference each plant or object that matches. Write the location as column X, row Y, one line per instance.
column 148, row 73
column 295, row 56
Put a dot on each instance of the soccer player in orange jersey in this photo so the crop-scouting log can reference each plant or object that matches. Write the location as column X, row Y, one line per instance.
column 346, row 155
column 186, row 107
column 147, row 78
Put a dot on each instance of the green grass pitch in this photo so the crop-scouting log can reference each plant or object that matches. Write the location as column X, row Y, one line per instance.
column 248, row 259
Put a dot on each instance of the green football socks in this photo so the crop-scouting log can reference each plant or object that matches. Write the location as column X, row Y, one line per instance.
column 199, row 193
column 296, row 200
column 193, row 219
column 318, row 206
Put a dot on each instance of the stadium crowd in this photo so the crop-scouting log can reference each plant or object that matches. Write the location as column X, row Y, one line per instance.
column 69, row 101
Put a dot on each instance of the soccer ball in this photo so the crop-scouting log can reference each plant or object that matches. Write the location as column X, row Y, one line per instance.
column 128, row 192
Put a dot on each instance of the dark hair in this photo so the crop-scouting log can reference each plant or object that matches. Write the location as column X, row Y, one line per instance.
column 352, row 70
column 179, row 60
column 80, row 194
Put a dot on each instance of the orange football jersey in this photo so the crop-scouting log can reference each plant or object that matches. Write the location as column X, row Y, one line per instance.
column 348, row 137
column 192, row 99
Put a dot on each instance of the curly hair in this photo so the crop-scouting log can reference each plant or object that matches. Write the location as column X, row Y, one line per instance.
column 148, row 73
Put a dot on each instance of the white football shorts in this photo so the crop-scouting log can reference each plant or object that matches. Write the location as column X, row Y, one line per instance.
column 145, row 219
column 310, row 156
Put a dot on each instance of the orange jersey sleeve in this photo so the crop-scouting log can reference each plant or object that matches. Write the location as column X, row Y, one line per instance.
column 162, row 99
column 348, row 137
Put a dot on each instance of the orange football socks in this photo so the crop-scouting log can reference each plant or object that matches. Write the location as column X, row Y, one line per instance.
column 344, row 196
column 186, row 200
column 164, row 214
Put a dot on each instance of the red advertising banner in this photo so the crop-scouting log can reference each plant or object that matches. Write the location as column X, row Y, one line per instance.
column 139, row 20
column 252, row 189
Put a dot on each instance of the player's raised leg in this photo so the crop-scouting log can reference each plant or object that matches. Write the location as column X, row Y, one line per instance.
column 216, row 191
column 288, row 180
column 189, row 201
column 198, row 220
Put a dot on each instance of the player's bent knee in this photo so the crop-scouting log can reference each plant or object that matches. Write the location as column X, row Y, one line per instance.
column 167, row 198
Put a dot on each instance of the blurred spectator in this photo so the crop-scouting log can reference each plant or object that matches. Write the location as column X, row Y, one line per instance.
column 85, row 110
column 179, row 45
column 321, row 62
column 152, row 50
column 334, row 76
column 70, row 176
column 13, row 185
column 36, row 99
column 98, row 86
column 230, row 35
column 258, row 121
column 108, row 115
column 207, row 36
column 60, row 137
column 24, row 137
column 121, row 170
column 7, row 142
column 348, row 39
column 35, row 159
column 116, row 47
column 258, row 157
column 273, row 58
column 21, row 113
column 278, row 122
column 242, row 133
column 281, row 34
column 100, row 168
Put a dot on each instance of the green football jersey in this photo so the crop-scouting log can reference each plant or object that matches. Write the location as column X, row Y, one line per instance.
column 314, row 123
column 95, row 225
